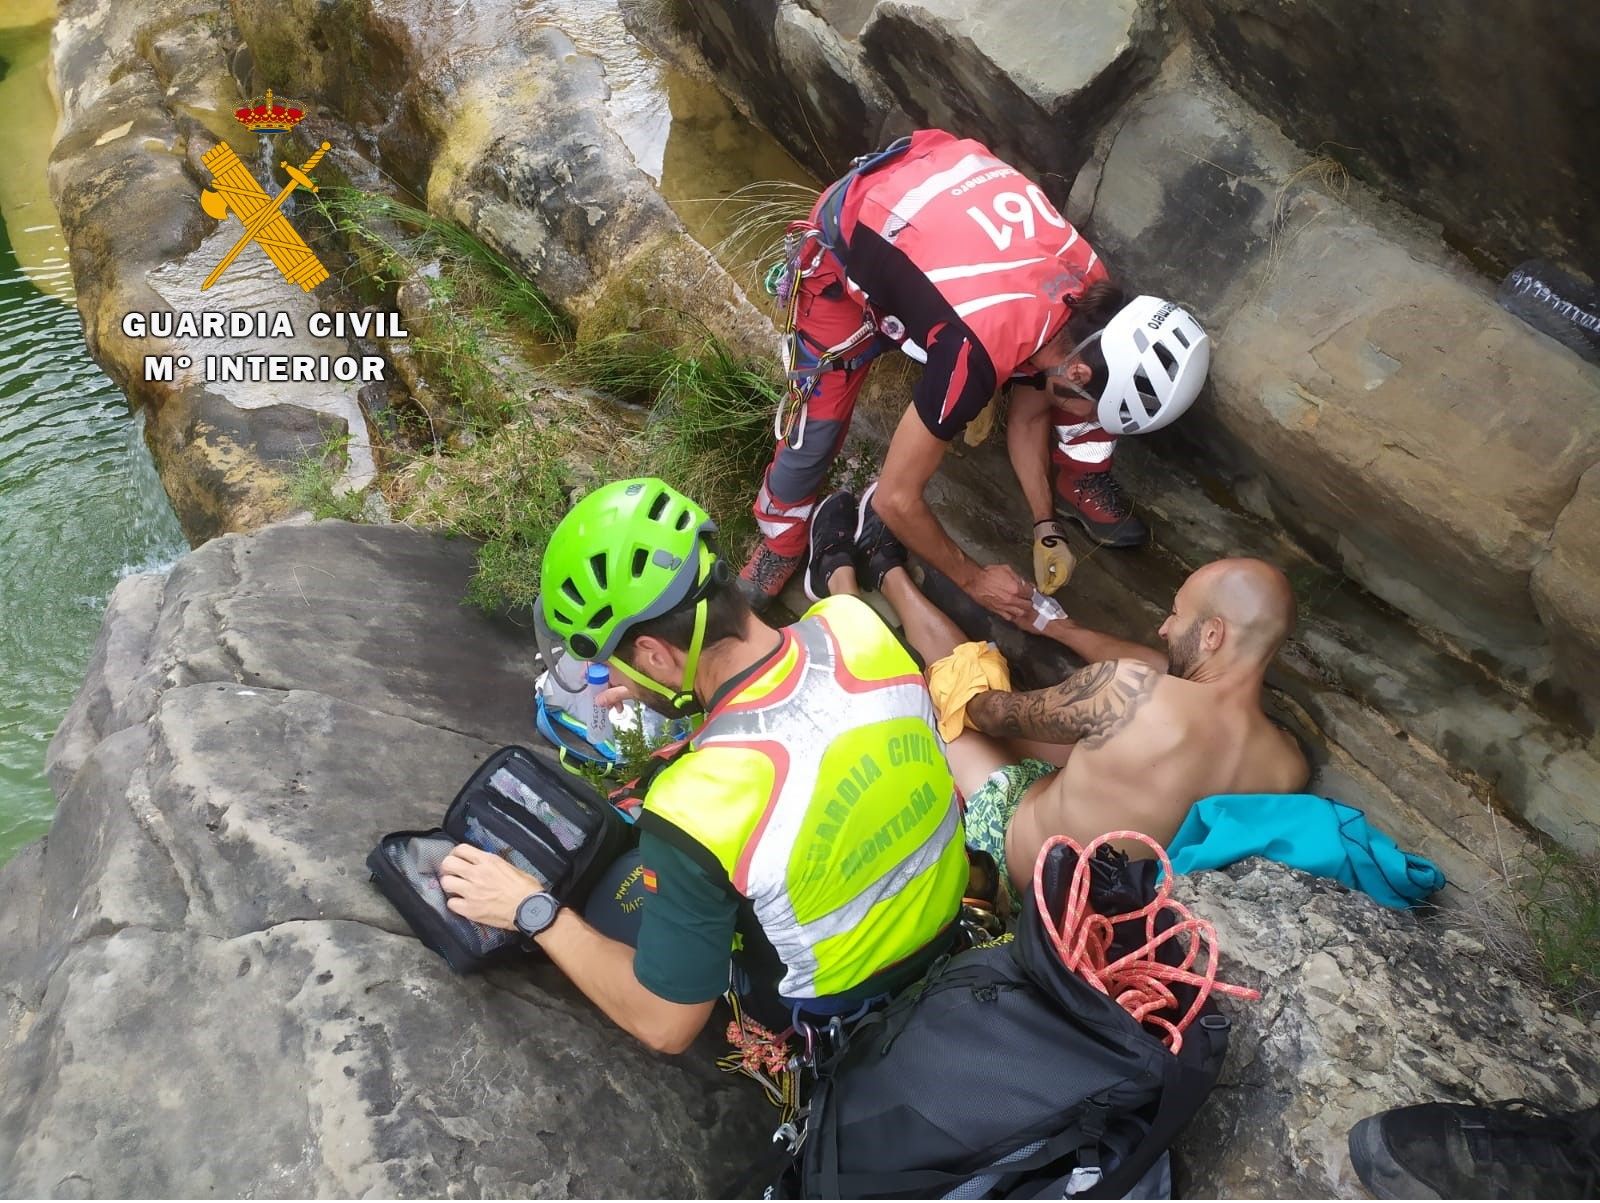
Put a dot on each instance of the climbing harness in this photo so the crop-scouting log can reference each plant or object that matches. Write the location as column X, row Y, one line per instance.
column 1139, row 982
column 805, row 245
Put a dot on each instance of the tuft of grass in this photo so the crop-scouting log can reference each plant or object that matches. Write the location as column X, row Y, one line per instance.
column 1558, row 907
column 508, row 490
column 407, row 241
column 756, row 216
column 314, row 484
column 709, row 429
column 687, row 408
column 485, row 322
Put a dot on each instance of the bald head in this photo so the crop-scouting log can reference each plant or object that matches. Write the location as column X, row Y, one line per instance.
column 1254, row 603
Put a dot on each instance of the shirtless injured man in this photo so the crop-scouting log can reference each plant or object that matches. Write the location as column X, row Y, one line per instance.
column 1130, row 741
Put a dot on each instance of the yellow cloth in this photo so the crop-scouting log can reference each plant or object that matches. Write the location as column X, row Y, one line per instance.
column 979, row 428
column 971, row 669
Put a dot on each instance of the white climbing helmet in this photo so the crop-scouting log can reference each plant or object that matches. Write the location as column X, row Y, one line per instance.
column 1156, row 360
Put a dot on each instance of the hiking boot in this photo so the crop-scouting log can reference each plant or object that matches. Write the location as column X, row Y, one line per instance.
column 833, row 541
column 877, row 550
column 1094, row 500
column 1513, row 1150
column 764, row 576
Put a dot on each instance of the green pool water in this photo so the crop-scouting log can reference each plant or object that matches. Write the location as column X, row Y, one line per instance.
column 80, row 503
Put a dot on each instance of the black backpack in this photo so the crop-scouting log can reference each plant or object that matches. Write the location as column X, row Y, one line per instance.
column 518, row 805
column 1004, row 1075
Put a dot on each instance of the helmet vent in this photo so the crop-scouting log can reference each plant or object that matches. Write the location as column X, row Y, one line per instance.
column 597, row 563
column 1182, row 336
column 571, row 590
column 1141, row 340
column 1141, row 381
column 657, row 506
column 600, row 617
column 683, row 520
column 641, row 558
column 1167, row 358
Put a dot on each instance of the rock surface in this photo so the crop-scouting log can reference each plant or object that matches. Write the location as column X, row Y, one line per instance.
column 1357, row 373
column 834, row 80
column 1362, row 1009
column 204, row 994
column 1481, row 118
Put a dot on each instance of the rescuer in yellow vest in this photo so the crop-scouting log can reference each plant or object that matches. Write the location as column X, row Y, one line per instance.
column 812, row 818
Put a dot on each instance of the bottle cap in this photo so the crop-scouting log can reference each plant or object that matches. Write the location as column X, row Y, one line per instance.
column 597, row 674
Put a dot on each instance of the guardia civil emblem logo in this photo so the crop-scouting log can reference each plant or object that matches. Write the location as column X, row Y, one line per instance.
column 236, row 193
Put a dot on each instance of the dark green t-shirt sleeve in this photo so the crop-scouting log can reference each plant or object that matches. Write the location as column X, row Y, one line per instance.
column 686, row 934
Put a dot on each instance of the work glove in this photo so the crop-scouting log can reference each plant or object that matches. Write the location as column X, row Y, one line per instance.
column 1053, row 560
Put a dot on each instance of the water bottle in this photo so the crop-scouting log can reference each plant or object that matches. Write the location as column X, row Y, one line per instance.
column 597, row 679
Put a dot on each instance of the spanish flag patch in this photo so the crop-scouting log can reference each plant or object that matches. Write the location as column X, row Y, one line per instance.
column 650, row 880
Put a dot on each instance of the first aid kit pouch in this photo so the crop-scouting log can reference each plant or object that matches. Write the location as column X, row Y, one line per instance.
column 518, row 806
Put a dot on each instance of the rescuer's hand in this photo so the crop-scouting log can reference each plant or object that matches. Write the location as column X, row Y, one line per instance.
column 1053, row 560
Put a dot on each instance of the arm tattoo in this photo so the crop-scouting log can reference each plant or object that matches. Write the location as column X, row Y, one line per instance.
column 1087, row 708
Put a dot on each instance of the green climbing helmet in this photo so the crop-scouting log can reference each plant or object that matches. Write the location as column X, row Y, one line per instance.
column 628, row 552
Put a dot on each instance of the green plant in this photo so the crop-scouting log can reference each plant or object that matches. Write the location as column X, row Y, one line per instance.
column 508, row 490
column 633, row 751
column 314, row 484
column 1558, row 901
column 408, row 242
column 709, row 429
column 485, row 323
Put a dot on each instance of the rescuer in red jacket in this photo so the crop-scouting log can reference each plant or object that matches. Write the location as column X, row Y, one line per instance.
column 940, row 248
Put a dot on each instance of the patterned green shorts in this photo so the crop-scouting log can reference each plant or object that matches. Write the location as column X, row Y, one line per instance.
column 991, row 806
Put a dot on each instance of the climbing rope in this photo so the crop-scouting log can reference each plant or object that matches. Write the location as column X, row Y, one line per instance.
column 763, row 1055
column 1139, row 982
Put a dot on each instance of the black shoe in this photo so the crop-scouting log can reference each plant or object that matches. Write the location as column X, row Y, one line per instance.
column 832, row 541
column 1455, row 1151
column 1095, row 501
column 877, row 550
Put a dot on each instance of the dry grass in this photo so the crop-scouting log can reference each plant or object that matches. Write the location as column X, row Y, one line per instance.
column 1542, row 921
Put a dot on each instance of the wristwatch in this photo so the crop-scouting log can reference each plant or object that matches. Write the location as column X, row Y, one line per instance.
column 536, row 913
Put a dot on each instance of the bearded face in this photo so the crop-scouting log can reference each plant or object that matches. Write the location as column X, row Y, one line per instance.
column 1183, row 649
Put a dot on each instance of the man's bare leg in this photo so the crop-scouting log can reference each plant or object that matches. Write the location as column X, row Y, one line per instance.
column 934, row 635
column 973, row 756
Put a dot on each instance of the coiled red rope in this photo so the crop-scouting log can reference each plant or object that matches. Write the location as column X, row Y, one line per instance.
column 1139, row 982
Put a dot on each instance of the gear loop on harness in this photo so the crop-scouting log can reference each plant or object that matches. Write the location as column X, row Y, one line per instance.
column 1139, row 981
column 805, row 244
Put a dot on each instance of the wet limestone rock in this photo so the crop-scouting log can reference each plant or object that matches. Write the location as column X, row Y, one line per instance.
column 204, row 995
column 835, row 79
column 1481, row 118
column 1362, row 1009
column 1564, row 590
column 499, row 119
column 145, row 92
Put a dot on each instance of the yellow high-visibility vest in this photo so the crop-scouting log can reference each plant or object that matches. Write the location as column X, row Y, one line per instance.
column 821, row 788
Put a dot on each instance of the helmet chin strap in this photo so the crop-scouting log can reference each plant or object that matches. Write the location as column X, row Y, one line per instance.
column 682, row 699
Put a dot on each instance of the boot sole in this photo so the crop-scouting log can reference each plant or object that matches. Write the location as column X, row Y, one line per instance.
column 1111, row 540
column 1377, row 1168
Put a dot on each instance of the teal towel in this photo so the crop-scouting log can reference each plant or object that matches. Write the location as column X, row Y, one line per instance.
column 1319, row 835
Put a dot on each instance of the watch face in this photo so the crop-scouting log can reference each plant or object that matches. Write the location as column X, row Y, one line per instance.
column 536, row 913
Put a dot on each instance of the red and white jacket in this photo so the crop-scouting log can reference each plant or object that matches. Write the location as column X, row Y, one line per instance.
column 964, row 255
